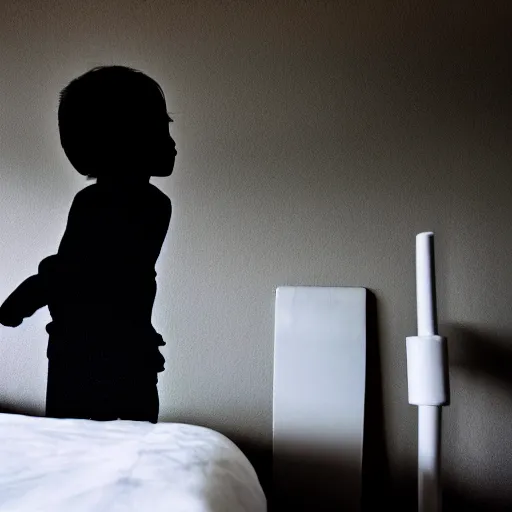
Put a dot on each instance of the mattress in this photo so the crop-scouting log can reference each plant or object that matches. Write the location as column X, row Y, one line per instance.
column 83, row 466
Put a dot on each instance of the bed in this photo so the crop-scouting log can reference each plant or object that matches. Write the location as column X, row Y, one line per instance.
column 64, row 465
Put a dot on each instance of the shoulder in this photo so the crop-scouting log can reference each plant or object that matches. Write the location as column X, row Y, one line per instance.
column 87, row 194
column 85, row 198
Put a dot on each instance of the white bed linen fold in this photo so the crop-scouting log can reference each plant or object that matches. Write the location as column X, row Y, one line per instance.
column 50, row 465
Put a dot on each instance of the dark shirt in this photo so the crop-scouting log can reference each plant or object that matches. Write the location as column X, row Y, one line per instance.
column 100, row 286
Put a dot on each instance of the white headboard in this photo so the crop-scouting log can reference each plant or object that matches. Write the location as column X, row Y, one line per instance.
column 319, row 390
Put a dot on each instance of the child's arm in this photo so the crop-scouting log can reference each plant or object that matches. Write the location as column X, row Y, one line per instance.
column 28, row 297
column 23, row 302
column 32, row 294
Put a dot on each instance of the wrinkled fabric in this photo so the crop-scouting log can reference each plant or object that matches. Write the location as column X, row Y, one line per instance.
column 63, row 465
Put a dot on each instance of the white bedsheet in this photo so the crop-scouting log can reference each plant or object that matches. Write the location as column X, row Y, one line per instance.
column 86, row 466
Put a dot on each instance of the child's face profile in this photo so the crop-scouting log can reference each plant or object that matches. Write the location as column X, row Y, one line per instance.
column 150, row 145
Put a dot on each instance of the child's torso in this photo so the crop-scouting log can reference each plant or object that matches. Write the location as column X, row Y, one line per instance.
column 105, row 285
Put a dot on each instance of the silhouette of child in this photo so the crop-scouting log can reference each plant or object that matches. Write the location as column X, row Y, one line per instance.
column 103, row 352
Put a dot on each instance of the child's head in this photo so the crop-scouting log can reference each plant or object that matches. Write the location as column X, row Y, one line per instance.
column 113, row 121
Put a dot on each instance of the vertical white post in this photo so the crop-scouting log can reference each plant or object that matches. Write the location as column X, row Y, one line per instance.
column 427, row 377
column 429, row 451
column 429, row 416
column 425, row 285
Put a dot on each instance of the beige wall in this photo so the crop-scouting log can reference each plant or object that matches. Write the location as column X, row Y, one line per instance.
column 315, row 139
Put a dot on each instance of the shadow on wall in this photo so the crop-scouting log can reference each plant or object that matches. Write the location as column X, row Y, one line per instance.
column 481, row 354
column 485, row 358
column 375, row 461
column 26, row 411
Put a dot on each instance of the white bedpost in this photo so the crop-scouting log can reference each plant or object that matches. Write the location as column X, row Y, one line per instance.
column 427, row 376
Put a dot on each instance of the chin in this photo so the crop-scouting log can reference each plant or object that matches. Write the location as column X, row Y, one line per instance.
column 163, row 171
column 161, row 162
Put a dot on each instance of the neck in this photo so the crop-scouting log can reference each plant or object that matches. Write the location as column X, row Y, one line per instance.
column 127, row 180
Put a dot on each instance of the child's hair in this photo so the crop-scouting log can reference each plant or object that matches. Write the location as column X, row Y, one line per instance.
column 101, row 115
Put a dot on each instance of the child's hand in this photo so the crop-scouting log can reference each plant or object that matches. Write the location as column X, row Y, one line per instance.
column 8, row 318
column 23, row 302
